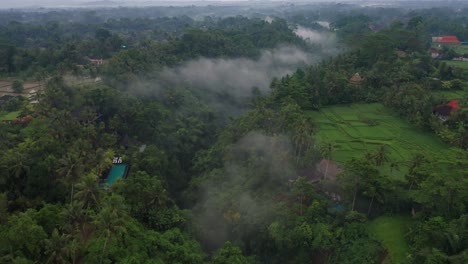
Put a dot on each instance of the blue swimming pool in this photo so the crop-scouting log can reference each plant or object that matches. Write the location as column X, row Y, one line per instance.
column 116, row 172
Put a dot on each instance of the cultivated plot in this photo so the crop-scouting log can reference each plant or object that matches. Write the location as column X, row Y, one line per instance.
column 358, row 129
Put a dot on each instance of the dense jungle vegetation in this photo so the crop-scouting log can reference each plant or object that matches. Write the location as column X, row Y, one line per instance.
column 219, row 174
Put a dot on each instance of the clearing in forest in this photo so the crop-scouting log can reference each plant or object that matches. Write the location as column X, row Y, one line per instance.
column 391, row 231
column 460, row 64
column 357, row 129
column 4, row 116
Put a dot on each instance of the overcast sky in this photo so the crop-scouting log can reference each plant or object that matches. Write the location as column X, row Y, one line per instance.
column 58, row 3
column 9, row 3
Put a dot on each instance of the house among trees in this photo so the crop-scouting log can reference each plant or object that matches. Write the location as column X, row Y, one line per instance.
column 435, row 53
column 356, row 79
column 436, row 39
column 401, row 54
column 444, row 111
column 446, row 40
column 460, row 59
column 97, row 62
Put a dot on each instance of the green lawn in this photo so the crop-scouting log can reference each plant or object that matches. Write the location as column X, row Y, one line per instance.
column 359, row 128
column 461, row 49
column 453, row 93
column 459, row 64
column 391, row 231
column 8, row 116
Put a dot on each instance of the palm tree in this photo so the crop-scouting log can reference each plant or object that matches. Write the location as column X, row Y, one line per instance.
column 111, row 219
column 75, row 216
column 18, row 161
column 302, row 137
column 381, row 155
column 56, row 247
column 69, row 168
column 88, row 190
column 413, row 175
column 394, row 166
column 326, row 149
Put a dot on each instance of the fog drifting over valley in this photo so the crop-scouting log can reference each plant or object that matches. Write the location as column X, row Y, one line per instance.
column 238, row 76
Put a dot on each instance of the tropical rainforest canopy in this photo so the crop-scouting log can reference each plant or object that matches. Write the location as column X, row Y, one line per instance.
column 221, row 122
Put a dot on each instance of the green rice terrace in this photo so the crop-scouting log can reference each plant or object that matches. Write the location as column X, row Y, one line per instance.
column 391, row 231
column 360, row 128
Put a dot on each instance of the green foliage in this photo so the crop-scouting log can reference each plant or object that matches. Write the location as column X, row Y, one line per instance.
column 17, row 86
column 230, row 254
column 149, row 202
column 21, row 236
column 435, row 240
column 356, row 246
column 250, row 179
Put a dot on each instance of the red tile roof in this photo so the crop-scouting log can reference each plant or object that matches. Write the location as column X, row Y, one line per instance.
column 449, row 39
column 446, row 109
column 454, row 105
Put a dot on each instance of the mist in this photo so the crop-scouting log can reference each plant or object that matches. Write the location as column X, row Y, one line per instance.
column 215, row 215
column 326, row 39
column 227, row 84
column 238, row 76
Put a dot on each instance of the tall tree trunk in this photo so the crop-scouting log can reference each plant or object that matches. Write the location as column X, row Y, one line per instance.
column 411, row 186
column 354, row 199
column 74, row 255
column 326, row 168
column 301, row 204
column 299, row 155
column 307, row 147
column 104, row 249
column 71, row 196
column 370, row 205
column 449, row 201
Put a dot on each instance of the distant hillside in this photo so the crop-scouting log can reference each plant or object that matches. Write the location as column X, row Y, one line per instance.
column 102, row 3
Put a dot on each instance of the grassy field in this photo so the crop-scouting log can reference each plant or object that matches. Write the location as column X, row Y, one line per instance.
column 459, row 93
column 453, row 94
column 459, row 64
column 461, row 49
column 360, row 128
column 8, row 116
column 391, row 231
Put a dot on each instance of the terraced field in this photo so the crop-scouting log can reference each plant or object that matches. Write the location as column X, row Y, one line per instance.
column 360, row 128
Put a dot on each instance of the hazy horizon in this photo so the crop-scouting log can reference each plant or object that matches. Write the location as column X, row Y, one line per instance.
column 87, row 3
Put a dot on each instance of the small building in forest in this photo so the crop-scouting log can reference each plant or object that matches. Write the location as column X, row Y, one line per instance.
column 435, row 53
column 356, row 79
column 96, row 61
column 436, row 39
column 452, row 40
column 443, row 112
column 446, row 40
column 401, row 54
